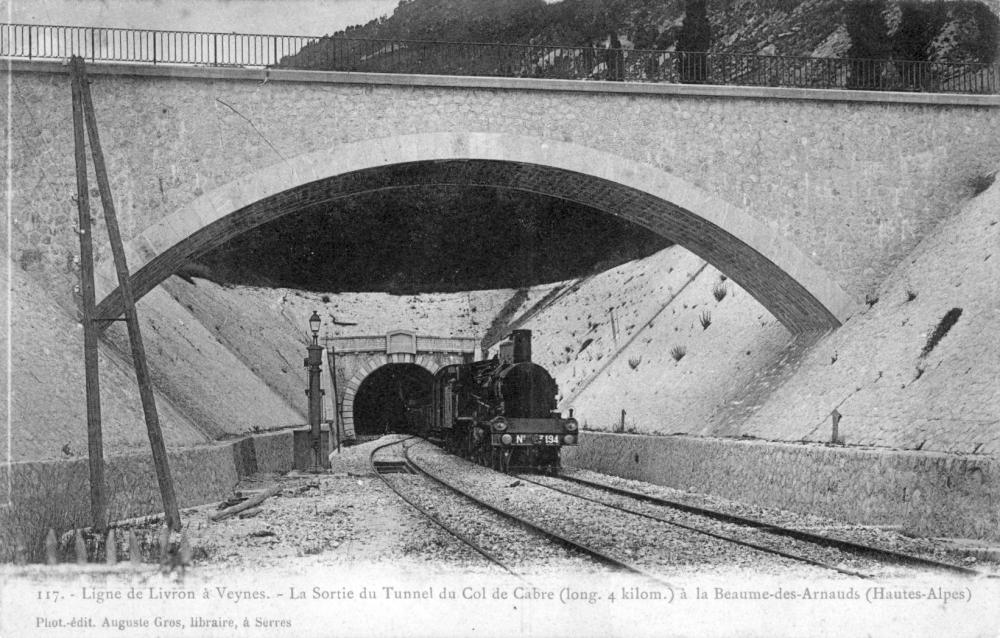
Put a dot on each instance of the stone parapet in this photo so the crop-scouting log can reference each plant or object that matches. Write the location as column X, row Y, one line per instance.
column 927, row 494
column 522, row 84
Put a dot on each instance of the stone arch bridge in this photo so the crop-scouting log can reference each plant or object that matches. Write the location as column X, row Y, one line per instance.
column 353, row 359
column 806, row 198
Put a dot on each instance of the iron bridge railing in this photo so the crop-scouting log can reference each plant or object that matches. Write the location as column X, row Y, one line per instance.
column 99, row 44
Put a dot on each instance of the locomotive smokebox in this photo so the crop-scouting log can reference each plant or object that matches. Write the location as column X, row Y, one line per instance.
column 522, row 345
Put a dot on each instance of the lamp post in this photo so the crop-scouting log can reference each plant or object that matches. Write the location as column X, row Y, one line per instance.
column 315, row 394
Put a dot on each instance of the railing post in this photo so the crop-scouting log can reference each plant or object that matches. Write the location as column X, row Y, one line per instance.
column 154, row 47
column 215, row 49
column 93, row 46
column 30, row 42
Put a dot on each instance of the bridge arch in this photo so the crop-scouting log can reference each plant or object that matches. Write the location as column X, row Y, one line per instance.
column 795, row 290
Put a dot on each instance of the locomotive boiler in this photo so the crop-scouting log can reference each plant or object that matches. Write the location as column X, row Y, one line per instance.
column 501, row 412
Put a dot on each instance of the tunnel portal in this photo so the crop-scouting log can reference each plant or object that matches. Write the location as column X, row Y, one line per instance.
column 392, row 398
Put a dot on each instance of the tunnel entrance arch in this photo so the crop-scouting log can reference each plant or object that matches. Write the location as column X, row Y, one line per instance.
column 392, row 398
column 353, row 359
column 755, row 255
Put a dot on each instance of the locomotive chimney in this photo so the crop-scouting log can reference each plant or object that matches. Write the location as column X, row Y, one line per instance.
column 522, row 345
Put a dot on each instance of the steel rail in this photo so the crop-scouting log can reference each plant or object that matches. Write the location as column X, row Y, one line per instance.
column 549, row 534
column 723, row 537
column 460, row 536
column 778, row 530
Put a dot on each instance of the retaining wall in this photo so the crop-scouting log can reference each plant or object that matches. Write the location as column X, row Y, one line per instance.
column 273, row 451
column 56, row 494
column 927, row 493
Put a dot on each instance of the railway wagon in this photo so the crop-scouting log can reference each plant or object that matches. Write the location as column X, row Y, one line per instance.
column 501, row 412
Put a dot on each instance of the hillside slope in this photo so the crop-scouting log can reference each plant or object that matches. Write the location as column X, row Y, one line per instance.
column 200, row 374
column 48, row 416
column 911, row 372
column 203, row 392
column 611, row 346
column 964, row 30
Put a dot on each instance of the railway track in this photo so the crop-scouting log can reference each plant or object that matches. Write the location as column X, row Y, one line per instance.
column 383, row 468
column 654, row 547
column 647, row 535
column 760, row 530
column 531, row 532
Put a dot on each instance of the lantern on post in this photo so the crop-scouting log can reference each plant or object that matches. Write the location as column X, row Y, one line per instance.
column 314, row 323
column 313, row 362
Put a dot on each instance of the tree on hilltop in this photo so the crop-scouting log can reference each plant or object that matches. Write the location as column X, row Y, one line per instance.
column 693, row 41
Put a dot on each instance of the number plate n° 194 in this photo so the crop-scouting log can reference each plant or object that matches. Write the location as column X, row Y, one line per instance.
column 536, row 439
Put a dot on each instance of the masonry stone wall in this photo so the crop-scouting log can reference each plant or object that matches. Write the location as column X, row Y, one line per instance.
column 273, row 451
column 56, row 494
column 927, row 493
column 853, row 184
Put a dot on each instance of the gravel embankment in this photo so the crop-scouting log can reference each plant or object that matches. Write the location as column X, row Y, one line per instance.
column 347, row 518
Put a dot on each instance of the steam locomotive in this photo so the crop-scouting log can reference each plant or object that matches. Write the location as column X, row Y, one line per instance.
column 501, row 412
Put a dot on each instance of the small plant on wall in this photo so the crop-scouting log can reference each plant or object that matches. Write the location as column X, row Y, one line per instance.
column 719, row 291
column 980, row 183
column 678, row 352
column 705, row 319
column 633, row 362
column 947, row 321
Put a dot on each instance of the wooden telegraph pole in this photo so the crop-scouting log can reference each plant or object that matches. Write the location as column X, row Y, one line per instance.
column 95, row 444
column 170, row 510
column 331, row 357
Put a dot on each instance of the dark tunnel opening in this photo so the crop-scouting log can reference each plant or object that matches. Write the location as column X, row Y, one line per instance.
column 392, row 399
